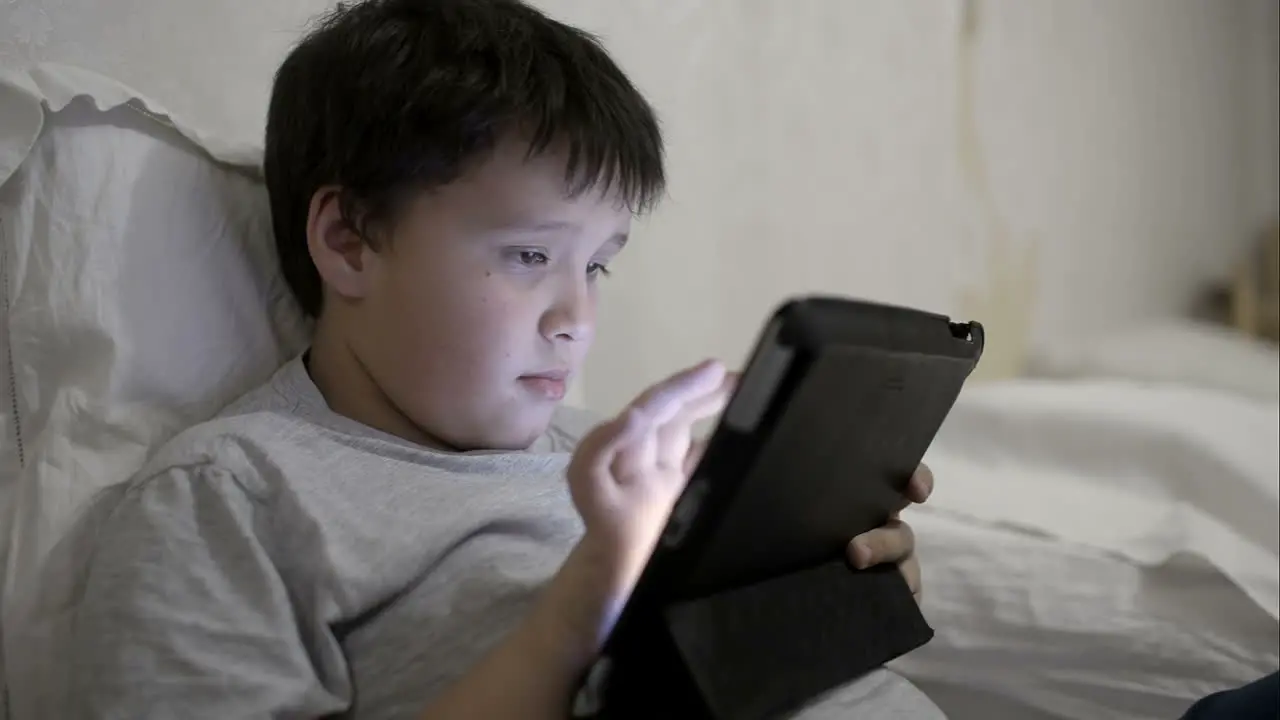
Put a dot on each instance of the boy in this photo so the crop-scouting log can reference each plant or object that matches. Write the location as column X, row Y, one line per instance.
column 385, row 529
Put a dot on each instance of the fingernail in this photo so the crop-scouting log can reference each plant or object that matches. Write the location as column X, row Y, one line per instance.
column 861, row 556
column 921, row 490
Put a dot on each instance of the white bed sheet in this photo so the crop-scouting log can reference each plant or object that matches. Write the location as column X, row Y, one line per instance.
column 1148, row 472
column 1099, row 549
column 1029, row 627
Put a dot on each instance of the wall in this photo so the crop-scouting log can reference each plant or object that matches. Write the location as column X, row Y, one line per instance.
column 1262, row 110
column 1047, row 165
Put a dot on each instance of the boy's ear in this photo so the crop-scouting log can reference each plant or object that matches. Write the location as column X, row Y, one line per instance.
column 336, row 248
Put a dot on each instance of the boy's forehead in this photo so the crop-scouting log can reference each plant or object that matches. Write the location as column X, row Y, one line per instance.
column 511, row 167
column 514, row 187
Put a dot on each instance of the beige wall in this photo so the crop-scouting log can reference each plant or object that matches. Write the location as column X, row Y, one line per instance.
column 1065, row 164
column 1262, row 109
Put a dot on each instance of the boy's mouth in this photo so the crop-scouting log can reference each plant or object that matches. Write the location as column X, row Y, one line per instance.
column 551, row 385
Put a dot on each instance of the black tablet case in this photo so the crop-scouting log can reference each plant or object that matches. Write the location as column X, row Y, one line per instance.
column 767, row 619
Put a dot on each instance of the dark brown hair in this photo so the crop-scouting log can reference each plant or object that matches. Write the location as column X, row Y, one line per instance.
column 386, row 98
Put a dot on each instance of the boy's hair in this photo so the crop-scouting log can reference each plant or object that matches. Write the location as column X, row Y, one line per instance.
column 386, row 98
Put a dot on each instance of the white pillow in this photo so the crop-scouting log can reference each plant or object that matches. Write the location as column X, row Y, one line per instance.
column 1173, row 351
column 141, row 287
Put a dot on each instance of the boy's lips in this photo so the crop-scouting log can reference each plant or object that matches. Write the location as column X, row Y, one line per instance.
column 551, row 385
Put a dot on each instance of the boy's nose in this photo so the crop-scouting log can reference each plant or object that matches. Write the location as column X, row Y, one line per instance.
column 571, row 327
column 571, row 320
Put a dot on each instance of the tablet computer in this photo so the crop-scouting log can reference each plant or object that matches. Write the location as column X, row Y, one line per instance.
column 834, row 411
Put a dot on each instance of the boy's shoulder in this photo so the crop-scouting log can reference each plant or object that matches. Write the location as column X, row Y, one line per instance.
column 285, row 416
column 264, row 417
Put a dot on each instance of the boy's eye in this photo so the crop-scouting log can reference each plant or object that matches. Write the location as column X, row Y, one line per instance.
column 533, row 258
column 596, row 270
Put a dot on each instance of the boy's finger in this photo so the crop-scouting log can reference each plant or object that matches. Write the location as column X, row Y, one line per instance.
column 700, row 407
column 636, row 449
column 657, row 416
column 662, row 418
column 691, row 460
column 890, row 543
column 706, row 407
column 596, row 450
column 921, row 485
column 662, row 401
column 675, row 436
column 910, row 569
column 919, row 488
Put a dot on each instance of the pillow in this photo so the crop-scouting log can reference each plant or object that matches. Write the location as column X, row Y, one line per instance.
column 140, row 288
column 20, row 119
column 1173, row 351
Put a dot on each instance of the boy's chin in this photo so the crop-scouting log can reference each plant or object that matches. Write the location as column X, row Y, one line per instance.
column 512, row 442
column 527, row 424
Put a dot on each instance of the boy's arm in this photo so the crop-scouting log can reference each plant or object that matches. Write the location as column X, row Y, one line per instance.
column 183, row 613
column 624, row 477
column 540, row 663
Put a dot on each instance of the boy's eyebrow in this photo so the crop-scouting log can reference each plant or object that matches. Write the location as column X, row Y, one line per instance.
column 543, row 226
column 619, row 239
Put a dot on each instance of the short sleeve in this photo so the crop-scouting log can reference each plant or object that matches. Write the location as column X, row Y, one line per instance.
column 183, row 613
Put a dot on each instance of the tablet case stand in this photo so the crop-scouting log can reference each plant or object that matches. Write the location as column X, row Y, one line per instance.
column 761, row 651
column 702, row 637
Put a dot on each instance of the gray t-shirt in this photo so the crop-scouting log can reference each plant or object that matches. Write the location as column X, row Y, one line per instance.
column 282, row 561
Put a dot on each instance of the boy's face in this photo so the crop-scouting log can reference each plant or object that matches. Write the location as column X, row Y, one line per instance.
column 476, row 314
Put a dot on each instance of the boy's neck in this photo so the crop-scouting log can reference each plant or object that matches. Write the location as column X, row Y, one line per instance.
column 350, row 390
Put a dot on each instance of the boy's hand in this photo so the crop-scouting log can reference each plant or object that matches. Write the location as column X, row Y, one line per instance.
column 628, row 472
column 624, row 478
column 894, row 542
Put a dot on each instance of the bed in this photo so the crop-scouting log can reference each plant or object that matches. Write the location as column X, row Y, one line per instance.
column 1102, row 543
column 139, row 294
column 1098, row 548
